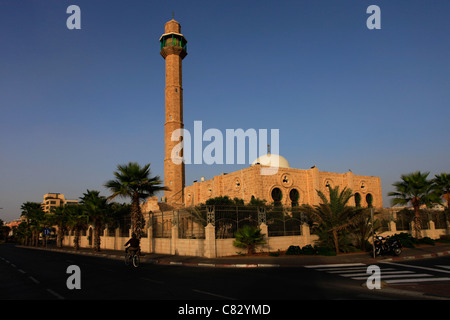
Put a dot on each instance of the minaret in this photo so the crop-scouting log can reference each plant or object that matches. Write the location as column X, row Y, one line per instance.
column 173, row 50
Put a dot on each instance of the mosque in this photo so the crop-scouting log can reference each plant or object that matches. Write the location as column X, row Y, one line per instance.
column 287, row 186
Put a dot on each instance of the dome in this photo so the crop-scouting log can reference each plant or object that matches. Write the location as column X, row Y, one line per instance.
column 272, row 160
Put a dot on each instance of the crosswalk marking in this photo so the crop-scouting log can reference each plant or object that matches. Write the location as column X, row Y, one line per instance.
column 417, row 280
column 417, row 267
column 343, row 269
column 444, row 267
column 361, row 269
column 397, row 276
column 392, row 274
column 368, row 274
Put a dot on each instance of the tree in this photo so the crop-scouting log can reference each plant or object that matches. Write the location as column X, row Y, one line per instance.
column 248, row 237
column 22, row 233
column 363, row 228
column 333, row 215
column 4, row 231
column 417, row 190
column 34, row 215
column 442, row 186
column 59, row 218
column 96, row 208
column 135, row 182
column 78, row 221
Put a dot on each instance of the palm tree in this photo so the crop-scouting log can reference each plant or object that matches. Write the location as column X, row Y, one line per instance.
column 442, row 184
column 248, row 237
column 97, row 209
column 333, row 215
column 135, row 182
column 78, row 221
column 417, row 190
column 34, row 215
column 363, row 229
column 59, row 218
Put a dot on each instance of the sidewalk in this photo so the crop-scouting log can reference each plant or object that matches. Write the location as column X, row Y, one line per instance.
column 258, row 261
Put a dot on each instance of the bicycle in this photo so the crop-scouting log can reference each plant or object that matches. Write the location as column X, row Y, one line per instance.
column 132, row 258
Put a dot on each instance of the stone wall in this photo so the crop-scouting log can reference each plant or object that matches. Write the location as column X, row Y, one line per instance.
column 249, row 182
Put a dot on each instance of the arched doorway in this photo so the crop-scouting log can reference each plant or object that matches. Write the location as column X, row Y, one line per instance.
column 369, row 200
column 294, row 196
column 357, row 200
column 277, row 195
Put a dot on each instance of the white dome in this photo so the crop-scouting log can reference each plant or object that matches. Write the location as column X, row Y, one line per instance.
column 272, row 160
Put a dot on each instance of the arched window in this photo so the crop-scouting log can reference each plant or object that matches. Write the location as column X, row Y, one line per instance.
column 294, row 196
column 357, row 200
column 276, row 196
column 369, row 200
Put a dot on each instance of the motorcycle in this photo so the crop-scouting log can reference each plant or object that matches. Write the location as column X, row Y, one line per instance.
column 387, row 246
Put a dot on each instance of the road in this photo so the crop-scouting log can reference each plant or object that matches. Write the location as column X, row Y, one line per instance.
column 38, row 274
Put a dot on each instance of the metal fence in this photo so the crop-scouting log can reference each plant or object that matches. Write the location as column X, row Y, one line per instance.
column 189, row 222
column 228, row 219
column 162, row 224
column 403, row 219
column 285, row 221
column 281, row 221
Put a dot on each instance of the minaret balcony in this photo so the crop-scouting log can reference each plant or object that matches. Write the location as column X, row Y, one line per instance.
column 173, row 39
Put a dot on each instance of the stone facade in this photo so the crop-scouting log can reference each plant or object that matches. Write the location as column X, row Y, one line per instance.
column 249, row 182
column 288, row 186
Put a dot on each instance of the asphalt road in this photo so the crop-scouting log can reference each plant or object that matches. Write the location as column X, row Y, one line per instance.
column 28, row 274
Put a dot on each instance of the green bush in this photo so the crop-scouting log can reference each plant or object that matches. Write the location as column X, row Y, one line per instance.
column 275, row 254
column 325, row 251
column 293, row 250
column 309, row 250
column 405, row 239
column 426, row 240
column 444, row 239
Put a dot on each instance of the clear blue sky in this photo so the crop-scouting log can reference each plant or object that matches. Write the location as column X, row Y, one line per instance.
column 76, row 103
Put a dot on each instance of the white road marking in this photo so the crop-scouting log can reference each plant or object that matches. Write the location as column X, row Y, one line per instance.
column 55, row 294
column 398, row 276
column 33, row 279
column 444, row 267
column 417, row 280
column 417, row 267
column 382, row 273
column 352, row 270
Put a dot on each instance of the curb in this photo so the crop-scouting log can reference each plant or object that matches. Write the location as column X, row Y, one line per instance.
column 231, row 265
column 220, row 265
column 422, row 256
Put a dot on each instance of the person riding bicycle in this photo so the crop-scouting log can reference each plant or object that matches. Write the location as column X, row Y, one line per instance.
column 134, row 244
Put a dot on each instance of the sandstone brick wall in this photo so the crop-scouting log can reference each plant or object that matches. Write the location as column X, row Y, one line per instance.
column 249, row 182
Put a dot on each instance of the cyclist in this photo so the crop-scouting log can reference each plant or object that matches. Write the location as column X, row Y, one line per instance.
column 134, row 245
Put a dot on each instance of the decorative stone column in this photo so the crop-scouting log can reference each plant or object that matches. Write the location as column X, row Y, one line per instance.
column 173, row 244
column 210, row 241
column 265, row 232
column 306, row 233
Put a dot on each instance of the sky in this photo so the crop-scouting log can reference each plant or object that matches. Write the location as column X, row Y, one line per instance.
column 76, row 103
